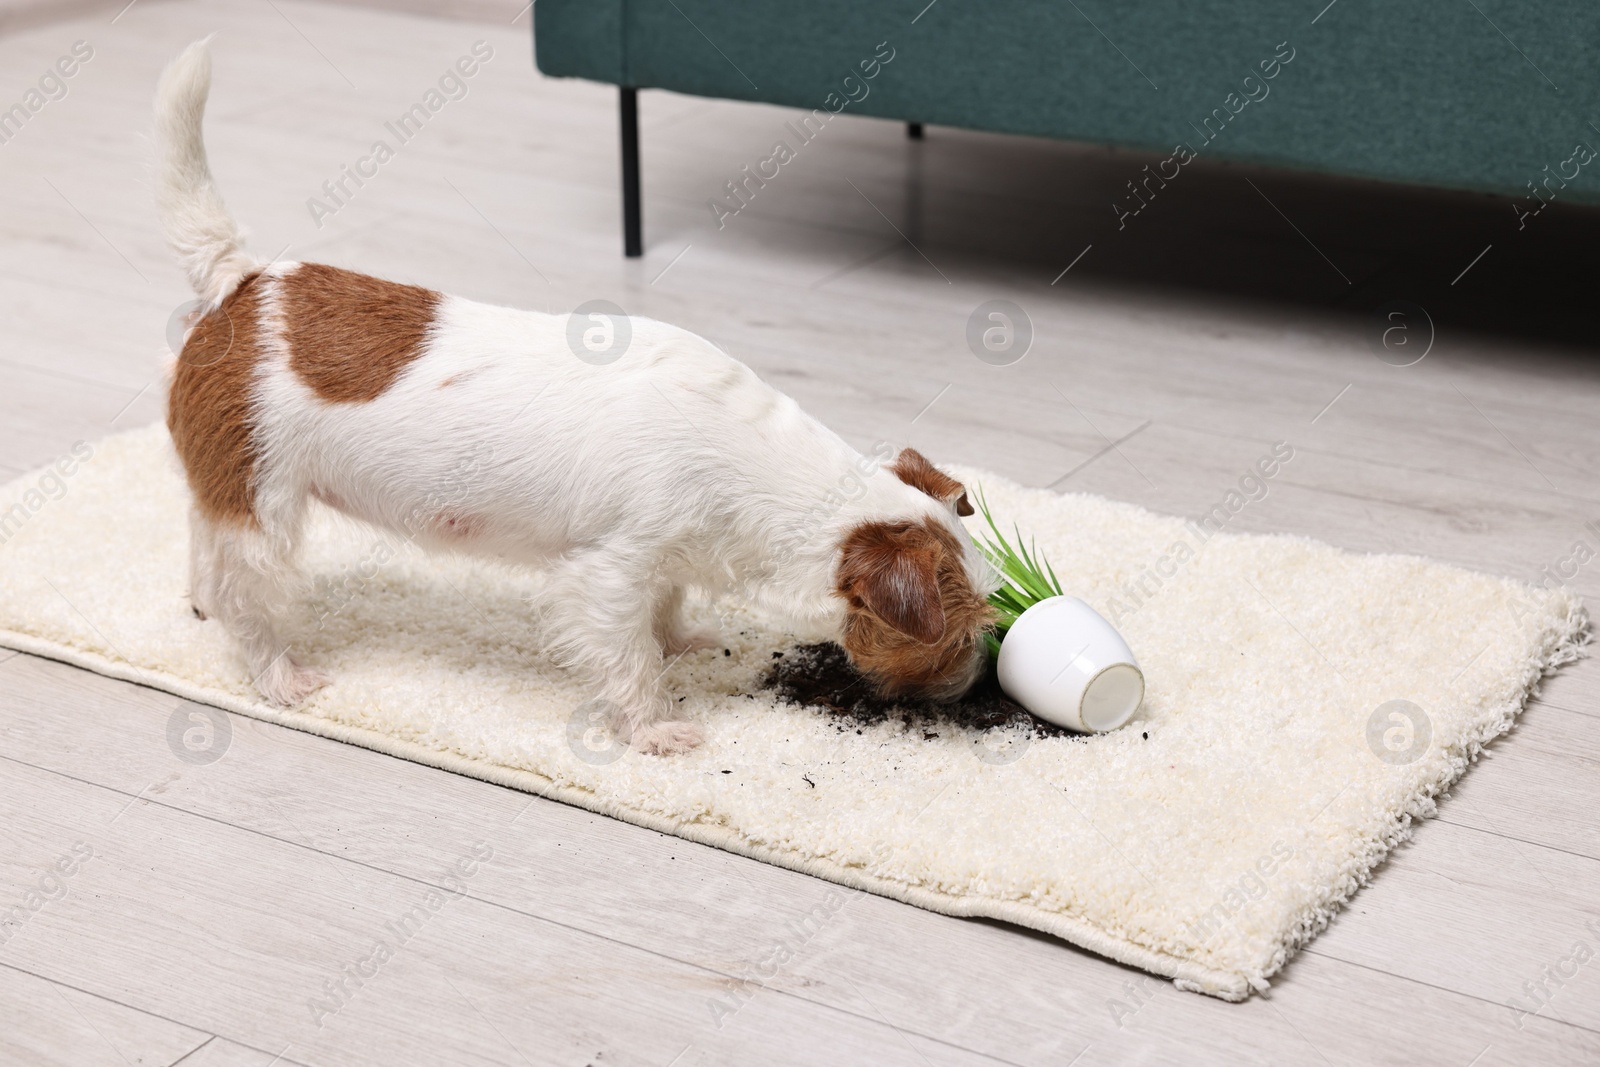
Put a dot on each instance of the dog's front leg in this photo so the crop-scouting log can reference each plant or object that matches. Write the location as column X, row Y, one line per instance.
column 674, row 632
column 601, row 618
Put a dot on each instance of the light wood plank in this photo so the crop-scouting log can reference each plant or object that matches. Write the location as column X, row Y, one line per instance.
column 66, row 1027
column 218, row 1052
column 115, row 339
column 1575, row 688
column 1536, row 785
column 18, row 15
column 42, row 414
column 1479, row 913
column 495, row 11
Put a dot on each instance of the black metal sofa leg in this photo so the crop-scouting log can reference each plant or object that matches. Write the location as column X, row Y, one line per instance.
column 914, row 130
column 632, row 226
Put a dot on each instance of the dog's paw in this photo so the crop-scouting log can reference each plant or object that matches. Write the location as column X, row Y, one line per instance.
column 668, row 738
column 286, row 683
column 693, row 640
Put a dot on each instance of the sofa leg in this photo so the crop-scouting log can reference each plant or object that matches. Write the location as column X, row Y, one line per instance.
column 914, row 130
column 632, row 226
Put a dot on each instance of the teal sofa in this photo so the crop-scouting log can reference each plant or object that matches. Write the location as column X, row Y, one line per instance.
column 1466, row 94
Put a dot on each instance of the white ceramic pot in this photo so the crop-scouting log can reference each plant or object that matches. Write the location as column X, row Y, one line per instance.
column 1069, row 666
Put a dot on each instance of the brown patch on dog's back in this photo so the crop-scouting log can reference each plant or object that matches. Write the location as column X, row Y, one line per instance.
column 209, row 405
column 351, row 335
column 914, row 621
column 913, row 468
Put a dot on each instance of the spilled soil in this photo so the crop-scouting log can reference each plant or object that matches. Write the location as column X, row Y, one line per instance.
column 821, row 675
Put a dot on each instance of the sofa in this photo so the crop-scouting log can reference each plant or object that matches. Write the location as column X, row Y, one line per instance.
column 1463, row 94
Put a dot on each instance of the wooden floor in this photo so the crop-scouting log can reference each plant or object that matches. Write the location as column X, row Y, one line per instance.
column 219, row 903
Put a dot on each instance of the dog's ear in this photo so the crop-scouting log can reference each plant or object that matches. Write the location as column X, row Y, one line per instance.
column 892, row 569
column 913, row 468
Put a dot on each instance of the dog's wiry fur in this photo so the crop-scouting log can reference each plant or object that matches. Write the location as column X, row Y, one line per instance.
column 476, row 429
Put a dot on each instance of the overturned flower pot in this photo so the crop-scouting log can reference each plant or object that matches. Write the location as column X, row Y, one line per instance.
column 1055, row 655
column 1067, row 665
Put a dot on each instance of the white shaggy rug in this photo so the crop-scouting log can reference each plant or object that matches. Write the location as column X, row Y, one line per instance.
column 1304, row 706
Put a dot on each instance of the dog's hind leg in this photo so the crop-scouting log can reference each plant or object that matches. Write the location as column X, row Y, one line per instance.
column 250, row 581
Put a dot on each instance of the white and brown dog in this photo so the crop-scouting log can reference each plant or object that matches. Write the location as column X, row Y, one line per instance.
column 476, row 429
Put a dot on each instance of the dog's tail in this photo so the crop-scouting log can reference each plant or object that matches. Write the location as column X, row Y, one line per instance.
column 199, row 228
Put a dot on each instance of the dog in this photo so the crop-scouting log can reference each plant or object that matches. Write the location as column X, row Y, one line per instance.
column 484, row 430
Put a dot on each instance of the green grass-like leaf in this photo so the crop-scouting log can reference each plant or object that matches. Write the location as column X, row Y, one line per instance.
column 1029, row 578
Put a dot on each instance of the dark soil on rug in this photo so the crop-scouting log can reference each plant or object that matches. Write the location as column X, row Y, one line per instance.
column 820, row 675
